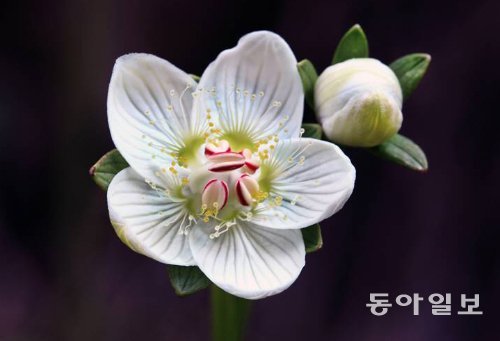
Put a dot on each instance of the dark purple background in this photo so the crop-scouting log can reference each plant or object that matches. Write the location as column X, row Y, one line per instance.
column 66, row 276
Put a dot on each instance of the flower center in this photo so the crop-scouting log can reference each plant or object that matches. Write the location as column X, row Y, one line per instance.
column 222, row 167
column 225, row 186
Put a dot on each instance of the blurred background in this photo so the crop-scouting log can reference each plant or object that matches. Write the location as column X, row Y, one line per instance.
column 66, row 276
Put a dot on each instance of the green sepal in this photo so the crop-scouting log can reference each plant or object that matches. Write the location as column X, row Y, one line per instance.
column 196, row 78
column 410, row 69
column 352, row 45
column 313, row 240
column 312, row 130
column 309, row 76
column 107, row 167
column 403, row 151
column 187, row 280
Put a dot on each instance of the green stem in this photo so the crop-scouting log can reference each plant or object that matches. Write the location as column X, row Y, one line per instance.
column 229, row 315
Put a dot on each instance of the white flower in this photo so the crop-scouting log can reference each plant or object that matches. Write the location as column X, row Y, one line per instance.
column 220, row 177
column 358, row 102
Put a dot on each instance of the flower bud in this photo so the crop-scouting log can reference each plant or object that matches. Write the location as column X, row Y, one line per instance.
column 358, row 102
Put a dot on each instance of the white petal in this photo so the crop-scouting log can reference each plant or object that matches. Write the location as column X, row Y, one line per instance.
column 147, row 221
column 314, row 178
column 249, row 261
column 149, row 111
column 258, row 87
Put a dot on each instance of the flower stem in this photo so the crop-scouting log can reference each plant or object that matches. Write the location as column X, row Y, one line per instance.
column 229, row 315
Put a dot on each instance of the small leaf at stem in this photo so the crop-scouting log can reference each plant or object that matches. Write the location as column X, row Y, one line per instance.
column 187, row 280
column 107, row 167
column 309, row 76
column 312, row 238
column 403, row 151
column 352, row 45
column 312, row 130
column 410, row 69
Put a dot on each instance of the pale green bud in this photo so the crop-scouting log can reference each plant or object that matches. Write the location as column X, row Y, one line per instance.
column 358, row 102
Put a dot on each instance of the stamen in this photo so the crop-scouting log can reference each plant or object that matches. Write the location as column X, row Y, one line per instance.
column 184, row 229
column 214, row 197
column 217, row 146
column 222, row 228
column 223, row 162
column 251, row 163
column 247, row 189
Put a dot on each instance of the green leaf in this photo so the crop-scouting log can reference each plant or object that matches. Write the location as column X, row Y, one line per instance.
column 187, row 280
column 410, row 69
column 403, row 151
column 309, row 77
column 312, row 130
column 312, row 238
column 352, row 45
column 107, row 167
